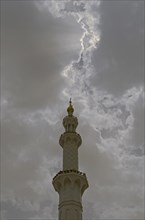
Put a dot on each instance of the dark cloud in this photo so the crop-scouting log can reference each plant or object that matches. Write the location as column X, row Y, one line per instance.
column 46, row 57
column 32, row 54
column 138, row 131
column 119, row 59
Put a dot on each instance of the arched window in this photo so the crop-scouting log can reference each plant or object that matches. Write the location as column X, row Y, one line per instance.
column 67, row 214
column 68, row 127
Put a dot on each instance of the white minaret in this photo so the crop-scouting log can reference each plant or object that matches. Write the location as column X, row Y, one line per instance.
column 70, row 183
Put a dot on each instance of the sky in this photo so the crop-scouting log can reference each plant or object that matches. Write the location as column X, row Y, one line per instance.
column 93, row 52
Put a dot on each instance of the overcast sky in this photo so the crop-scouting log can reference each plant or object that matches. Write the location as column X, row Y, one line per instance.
column 93, row 52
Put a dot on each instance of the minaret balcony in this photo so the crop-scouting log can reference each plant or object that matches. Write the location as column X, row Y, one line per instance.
column 74, row 177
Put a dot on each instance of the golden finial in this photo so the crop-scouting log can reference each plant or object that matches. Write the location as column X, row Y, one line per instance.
column 70, row 108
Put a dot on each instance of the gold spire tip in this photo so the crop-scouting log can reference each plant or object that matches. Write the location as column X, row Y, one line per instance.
column 70, row 101
column 70, row 108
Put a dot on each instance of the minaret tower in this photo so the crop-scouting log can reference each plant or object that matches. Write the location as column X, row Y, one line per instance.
column 70, row 183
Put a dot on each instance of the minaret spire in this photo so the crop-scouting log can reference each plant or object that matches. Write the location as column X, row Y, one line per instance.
column 70, row 183
column 70, row 108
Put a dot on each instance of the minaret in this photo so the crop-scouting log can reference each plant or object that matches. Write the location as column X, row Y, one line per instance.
column 70, row 183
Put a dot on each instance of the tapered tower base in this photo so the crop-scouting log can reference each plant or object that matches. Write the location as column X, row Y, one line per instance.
column 70, row 184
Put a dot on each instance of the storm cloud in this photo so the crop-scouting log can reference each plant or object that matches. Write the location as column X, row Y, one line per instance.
column 91, row 51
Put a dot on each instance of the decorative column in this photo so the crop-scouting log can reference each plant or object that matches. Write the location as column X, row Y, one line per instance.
column 70, row 183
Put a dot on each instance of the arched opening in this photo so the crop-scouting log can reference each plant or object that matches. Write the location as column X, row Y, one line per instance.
column 58, row 186
column 77, row 183
column 76, row 214
column 68, row 140
column 83, row 189
column 69, row 127
column 67, row 214
column 67, row 182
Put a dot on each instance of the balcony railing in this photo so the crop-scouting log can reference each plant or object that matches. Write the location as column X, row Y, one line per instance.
column 70, row 171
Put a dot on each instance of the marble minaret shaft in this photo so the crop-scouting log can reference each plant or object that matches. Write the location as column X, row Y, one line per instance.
column 70, row 183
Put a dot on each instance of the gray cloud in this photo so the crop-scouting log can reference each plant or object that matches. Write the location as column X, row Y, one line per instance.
column 80, row 49
column 30, row 41
column 119, row 59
